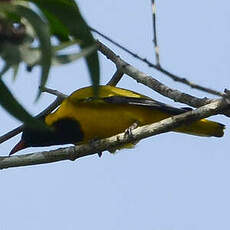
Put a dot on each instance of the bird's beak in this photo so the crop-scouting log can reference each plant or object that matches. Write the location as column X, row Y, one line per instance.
column 19, row 146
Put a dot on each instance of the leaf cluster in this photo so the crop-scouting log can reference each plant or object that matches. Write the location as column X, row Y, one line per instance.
column 37, row 33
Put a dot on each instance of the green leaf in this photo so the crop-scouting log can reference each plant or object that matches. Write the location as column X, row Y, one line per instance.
column 66, row 12
column 67, row 58
column 11, row 53
column 8, row 102
column 5, row 68
column 42, row 31
column 15, row 70
column 65, row 45
column 56, row 27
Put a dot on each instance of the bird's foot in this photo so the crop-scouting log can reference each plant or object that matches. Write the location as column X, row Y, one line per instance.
column 128, row 131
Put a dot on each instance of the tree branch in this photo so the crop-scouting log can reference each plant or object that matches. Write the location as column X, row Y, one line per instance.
column 115, row 78
column 60, row 96
column 156, row 47
column 73, row 153
column 154, row 84
column 149, row 81
column 160, row 69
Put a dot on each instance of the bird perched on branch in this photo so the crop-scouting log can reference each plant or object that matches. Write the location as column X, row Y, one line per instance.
column 82, row 117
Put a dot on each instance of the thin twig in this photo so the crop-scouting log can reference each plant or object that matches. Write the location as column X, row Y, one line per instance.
column 115, row 78
column 191, row 84
column 11, row 134
column 156, row 47
column 73, row 153
column 59, row 95
column 160, row 69
column 149, row 81
column 152, row 83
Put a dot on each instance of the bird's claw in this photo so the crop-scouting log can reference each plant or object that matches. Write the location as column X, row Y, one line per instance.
column 128, row 131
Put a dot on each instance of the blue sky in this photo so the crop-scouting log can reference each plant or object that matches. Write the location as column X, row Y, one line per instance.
column 168, row 182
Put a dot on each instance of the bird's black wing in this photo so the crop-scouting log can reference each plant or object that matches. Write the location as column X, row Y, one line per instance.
column 146, row 102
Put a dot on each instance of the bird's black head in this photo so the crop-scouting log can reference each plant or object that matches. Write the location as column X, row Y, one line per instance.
column 63, row 131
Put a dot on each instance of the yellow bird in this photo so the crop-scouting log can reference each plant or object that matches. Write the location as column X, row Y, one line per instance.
column 81, row 118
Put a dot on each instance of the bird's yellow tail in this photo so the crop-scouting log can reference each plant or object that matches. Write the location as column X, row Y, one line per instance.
column 203, row 127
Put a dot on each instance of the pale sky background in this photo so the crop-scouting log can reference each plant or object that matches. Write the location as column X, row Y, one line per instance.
column 168, row 182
